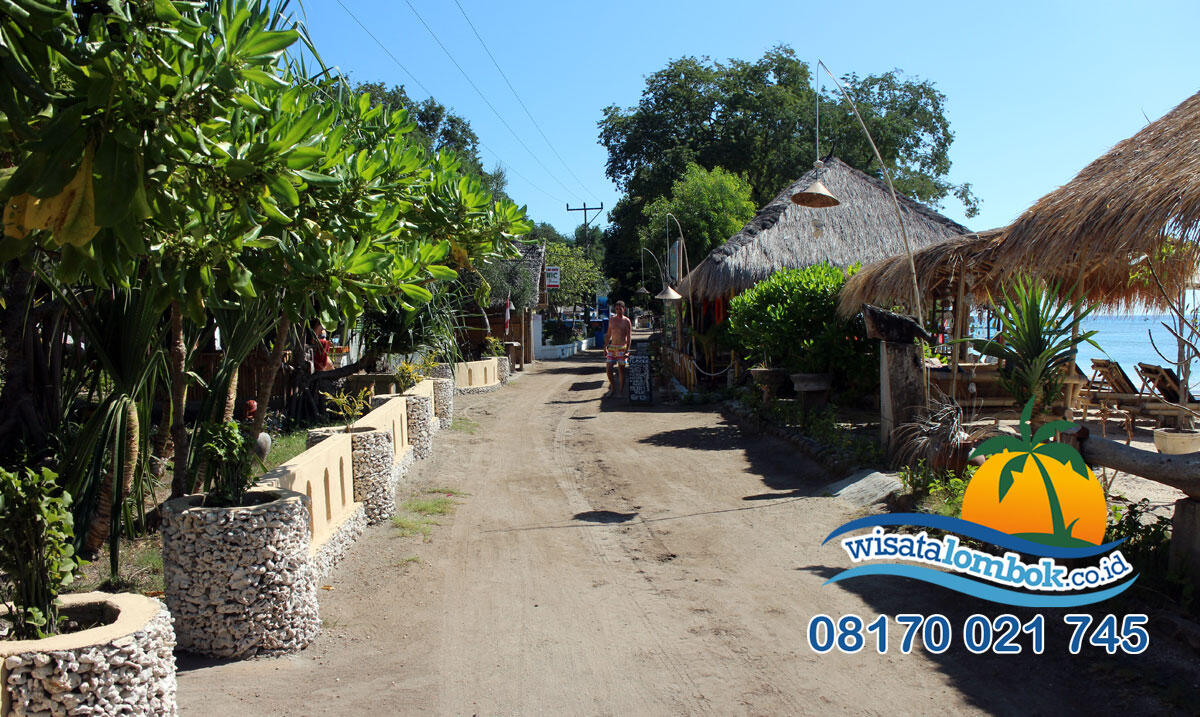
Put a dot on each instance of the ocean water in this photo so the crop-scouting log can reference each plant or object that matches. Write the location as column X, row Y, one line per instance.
column 1127, row 340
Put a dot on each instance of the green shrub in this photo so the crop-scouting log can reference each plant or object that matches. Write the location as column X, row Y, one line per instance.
column 226, row 454
column 790, row 321
column 37, row 556
column 493, row 346
column 938, row 492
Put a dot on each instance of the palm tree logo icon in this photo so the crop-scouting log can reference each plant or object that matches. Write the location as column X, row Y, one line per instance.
column 1037, row 490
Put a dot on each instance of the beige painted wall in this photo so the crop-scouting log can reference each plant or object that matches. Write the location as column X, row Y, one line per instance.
column 477, row 373
column 324, row 474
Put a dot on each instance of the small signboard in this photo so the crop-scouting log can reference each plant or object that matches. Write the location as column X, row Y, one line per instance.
column 552, row 277
column 641, row 379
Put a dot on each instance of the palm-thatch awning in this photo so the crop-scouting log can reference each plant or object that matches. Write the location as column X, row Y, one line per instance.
column 939, row 268
column 784, row 235
column 1140, row 196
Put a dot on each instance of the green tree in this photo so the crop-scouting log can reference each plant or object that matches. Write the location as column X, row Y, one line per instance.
column 756, row 119
column 710, row 206
column 580, row 278
column 590, row 238
column 438, row 129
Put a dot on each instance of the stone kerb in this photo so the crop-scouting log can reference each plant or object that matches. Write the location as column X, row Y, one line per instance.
column 420, row 424
column 240, row 581
column 443, row 401
column 126, row 666
column 373, row 457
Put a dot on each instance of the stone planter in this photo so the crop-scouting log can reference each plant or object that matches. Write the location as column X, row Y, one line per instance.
column 503, row 368
column 316, row 435
column 812, row 389
column 420, row 424
column 372, row 455
column 443, row 401
column 125, row 666
column 239, row 581
column 1177, row 441
column 442, row 370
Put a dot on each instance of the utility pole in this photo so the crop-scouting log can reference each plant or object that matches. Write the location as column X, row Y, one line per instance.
column 585, row 209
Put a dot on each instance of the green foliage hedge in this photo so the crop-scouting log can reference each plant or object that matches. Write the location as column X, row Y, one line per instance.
column 790, row 321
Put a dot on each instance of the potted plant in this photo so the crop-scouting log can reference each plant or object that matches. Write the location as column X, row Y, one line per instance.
column 62, row 653
column 237, row 573
column 1037, row 342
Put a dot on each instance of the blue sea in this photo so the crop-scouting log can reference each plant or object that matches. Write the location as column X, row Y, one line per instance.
column 1126, row 339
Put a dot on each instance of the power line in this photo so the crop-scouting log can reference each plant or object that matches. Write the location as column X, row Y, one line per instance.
column 399, row 64
column 384, row 48
column 486, row 101
column 520, row 101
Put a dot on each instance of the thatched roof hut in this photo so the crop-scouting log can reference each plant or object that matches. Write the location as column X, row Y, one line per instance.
column 1142, row 194
column 940, row 267
column 784, row 235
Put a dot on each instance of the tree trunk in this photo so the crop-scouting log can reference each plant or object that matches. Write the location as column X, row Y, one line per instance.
column 102, row 528
column 1181, row 471
column 178, row 367
column 274, row 363
column 231, row 397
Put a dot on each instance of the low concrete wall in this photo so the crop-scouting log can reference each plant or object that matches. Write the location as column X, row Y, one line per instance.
column 478, row 376
column 562, row 351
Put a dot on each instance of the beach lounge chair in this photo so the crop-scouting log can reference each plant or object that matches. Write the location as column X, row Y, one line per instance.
column 1111, row 392
column 1165, row 383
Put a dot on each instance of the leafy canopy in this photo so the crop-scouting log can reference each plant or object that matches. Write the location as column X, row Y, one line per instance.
column 710, row 206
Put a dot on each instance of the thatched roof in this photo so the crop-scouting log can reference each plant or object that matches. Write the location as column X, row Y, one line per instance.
column 1141, row 194
column 784, row 235
column 529, row 264
column 889, row 282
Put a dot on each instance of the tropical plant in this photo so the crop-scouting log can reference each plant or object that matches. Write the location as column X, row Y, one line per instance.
column 350, row 406
column 228, row 458
column 790, row 321
column 1035, row 447
column 493, row 346
column 1037, row 341
column 37, row 557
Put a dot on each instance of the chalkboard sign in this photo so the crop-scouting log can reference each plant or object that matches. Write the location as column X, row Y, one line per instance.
column 641, row 381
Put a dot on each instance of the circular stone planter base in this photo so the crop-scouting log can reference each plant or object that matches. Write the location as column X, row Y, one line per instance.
column 239, row 581
column 372, row 455
column 503, row 369
column 1176, row 441
column 124, row 667
column 420, row 424
column 443, row 401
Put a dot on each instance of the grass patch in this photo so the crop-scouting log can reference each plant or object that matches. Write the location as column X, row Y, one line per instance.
column 463, row 424
column 141, row 569
column 411, row 527
column 285, row 447
column 429, row 506
column 410, row 560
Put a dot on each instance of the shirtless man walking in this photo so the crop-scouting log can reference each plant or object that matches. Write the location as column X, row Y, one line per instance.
column 616, row 348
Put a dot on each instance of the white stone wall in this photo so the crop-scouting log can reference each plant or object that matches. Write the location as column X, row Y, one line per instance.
column 372, row 458
column 133, row 673
column 240, row 581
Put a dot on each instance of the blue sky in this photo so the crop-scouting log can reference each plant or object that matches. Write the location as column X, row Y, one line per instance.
column 1034, row 91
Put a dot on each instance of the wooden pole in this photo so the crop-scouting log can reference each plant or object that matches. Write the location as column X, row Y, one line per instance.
column 957, row 332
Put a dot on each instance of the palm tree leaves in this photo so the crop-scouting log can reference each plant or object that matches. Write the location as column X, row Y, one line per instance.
column 1039, row 339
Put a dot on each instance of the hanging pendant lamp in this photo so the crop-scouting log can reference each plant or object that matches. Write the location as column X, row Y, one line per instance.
column 816, row 196
column 668, row 294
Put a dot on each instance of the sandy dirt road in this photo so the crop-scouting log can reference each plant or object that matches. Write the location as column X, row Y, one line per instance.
column 607, row 560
